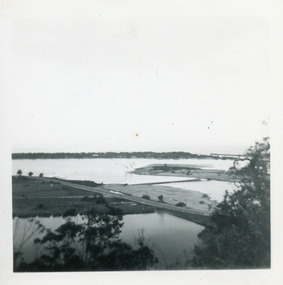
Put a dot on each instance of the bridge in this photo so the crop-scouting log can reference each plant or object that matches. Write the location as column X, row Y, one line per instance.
column 228, row 155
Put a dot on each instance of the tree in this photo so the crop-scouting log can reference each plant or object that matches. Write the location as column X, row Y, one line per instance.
column 147, row 197
column 99, row 199
column 181, row 204
column 161, row 199
column 41, row 175
column 93, row 244
column 19, row 172
column 30, row 173
column 25, row 232
column 240, row 237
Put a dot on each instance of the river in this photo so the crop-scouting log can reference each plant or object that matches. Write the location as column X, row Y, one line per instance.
column 172, row 238
column 119, row 171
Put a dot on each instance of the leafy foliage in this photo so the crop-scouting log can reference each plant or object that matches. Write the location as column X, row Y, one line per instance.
column 240, row 237
column 161, row 198
column 147, row 197
column 27, row 232
column 181, row 204
column 93, row 244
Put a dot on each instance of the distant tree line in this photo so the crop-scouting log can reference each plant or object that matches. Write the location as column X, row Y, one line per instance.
column 145, row 154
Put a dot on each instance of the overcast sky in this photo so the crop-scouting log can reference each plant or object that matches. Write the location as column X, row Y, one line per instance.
column 129, row 76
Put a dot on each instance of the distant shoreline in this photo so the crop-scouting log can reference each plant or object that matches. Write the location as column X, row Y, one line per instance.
column 126, row 155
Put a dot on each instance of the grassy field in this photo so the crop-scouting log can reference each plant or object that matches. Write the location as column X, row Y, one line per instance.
column 33, row 197
column 193, row 199
column 45, row 197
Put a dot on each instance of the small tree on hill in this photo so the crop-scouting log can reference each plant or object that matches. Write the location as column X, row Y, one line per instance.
column 19, row 172
column 30, row 173
column 41, row 175
column 161, row 198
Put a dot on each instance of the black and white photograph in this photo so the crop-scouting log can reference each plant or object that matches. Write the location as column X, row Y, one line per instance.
column 137, row 138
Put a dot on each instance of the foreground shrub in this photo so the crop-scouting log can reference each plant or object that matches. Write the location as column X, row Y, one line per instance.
column 93, row 244
column 240, row 237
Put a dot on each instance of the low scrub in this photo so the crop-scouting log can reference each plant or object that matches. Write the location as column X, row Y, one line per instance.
column 146, row 197
column 39, row 206
column 70, row 212
column 181, row 204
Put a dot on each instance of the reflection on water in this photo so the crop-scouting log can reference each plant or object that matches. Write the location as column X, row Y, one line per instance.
column 168, row 235
column 171, row 238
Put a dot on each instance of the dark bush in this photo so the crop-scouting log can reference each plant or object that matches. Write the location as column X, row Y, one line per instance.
column 87, row 199
column 114, row 211
column 146, row 197
column 181, row 204
column 70, row 212
column 40, row 206
column 161, row 198
column 99, row 199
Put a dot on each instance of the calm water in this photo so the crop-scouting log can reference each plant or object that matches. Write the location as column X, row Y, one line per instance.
column 167, row 235
column 117, row 171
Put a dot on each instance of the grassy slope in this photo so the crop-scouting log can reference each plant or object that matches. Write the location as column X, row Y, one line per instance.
column 193, row 199
column 33, row 197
